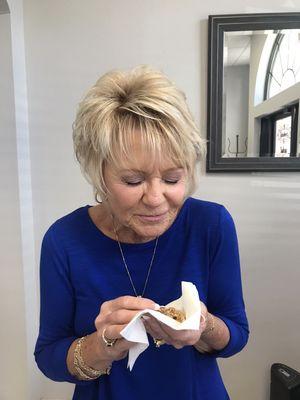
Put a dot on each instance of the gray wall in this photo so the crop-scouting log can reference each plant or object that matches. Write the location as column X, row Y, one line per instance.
column 236, row 87
column 68, row 45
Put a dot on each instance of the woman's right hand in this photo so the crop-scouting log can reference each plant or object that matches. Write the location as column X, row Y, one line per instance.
column 114, row 315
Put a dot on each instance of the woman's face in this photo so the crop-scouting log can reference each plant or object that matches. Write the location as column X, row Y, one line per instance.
column 144, row 197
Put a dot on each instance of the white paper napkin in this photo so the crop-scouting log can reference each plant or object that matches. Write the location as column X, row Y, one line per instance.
column 135, row 331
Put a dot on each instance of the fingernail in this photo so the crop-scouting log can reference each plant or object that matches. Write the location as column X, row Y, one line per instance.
column 145, row 317
column 157, row 306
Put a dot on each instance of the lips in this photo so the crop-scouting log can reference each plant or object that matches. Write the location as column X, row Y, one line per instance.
column 153, row 218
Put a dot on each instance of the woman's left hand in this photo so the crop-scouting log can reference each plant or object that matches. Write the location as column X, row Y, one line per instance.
column 180, row 338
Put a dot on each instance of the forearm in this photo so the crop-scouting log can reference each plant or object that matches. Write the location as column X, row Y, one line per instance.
column 215, row 336
column 91, row 353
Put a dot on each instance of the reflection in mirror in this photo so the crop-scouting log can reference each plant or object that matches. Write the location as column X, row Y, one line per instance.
column 261, row 91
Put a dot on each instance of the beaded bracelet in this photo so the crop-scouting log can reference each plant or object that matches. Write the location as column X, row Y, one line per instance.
column 83, row 370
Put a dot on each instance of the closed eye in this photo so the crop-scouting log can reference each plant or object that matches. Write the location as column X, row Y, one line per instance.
column 171, row 181
column 132, row 183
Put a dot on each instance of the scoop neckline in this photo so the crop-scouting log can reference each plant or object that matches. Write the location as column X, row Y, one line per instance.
column 102, row 235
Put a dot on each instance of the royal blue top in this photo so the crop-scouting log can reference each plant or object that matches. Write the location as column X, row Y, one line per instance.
column 81, row 268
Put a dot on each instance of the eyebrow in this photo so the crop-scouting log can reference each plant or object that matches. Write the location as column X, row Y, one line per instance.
column 175, row 169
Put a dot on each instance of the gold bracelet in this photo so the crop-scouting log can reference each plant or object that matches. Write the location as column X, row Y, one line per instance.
column 213, row 325
column 83, row 370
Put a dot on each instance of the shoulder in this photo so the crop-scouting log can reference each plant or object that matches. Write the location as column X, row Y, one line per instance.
column 203, row 205
column 65, row 227
column 207, row 212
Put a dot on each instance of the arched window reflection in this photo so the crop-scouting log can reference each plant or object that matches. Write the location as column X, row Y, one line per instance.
column 284, row 63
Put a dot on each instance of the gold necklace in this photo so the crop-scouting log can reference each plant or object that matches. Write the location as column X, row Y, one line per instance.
column 127, row 269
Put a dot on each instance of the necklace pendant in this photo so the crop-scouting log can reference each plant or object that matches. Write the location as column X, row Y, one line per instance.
column 139, row 296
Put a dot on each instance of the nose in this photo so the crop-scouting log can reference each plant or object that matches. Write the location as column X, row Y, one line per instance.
column 153, row 194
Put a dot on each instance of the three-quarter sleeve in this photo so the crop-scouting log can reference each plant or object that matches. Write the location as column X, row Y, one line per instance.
column 56, row 332
column 225, row 297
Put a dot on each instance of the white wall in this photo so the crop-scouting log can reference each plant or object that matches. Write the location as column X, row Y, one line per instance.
column 12, row 321
column 68, row 45
column 261, row 45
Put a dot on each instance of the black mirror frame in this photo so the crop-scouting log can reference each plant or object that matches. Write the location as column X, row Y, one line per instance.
column 218, row 24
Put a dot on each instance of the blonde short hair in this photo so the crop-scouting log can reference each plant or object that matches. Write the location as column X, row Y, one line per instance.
column 120, row 105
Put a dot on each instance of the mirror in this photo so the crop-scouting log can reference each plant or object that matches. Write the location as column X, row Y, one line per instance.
column 254, row 92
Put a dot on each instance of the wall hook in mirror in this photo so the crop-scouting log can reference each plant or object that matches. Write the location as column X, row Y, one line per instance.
column 237, row 151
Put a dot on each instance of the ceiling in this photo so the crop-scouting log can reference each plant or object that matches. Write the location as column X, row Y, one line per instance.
column 237, row 47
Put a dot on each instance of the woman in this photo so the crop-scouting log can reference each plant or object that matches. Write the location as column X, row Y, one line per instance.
column 138, row 146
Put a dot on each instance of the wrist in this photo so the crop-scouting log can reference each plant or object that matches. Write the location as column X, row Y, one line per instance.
column 210, row 325
column 96, row 353
column 84, row 369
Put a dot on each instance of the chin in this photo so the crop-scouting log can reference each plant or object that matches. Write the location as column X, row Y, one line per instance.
column 152, row 232
column 149, row 230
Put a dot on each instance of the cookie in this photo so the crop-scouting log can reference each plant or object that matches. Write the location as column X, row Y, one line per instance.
column 173, row 313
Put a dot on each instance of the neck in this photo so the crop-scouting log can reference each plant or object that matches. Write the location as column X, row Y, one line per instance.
column 127, row 235
column 105, row 221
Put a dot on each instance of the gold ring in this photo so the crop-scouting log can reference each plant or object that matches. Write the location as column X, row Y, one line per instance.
column 159, row 342
column 108, row 342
